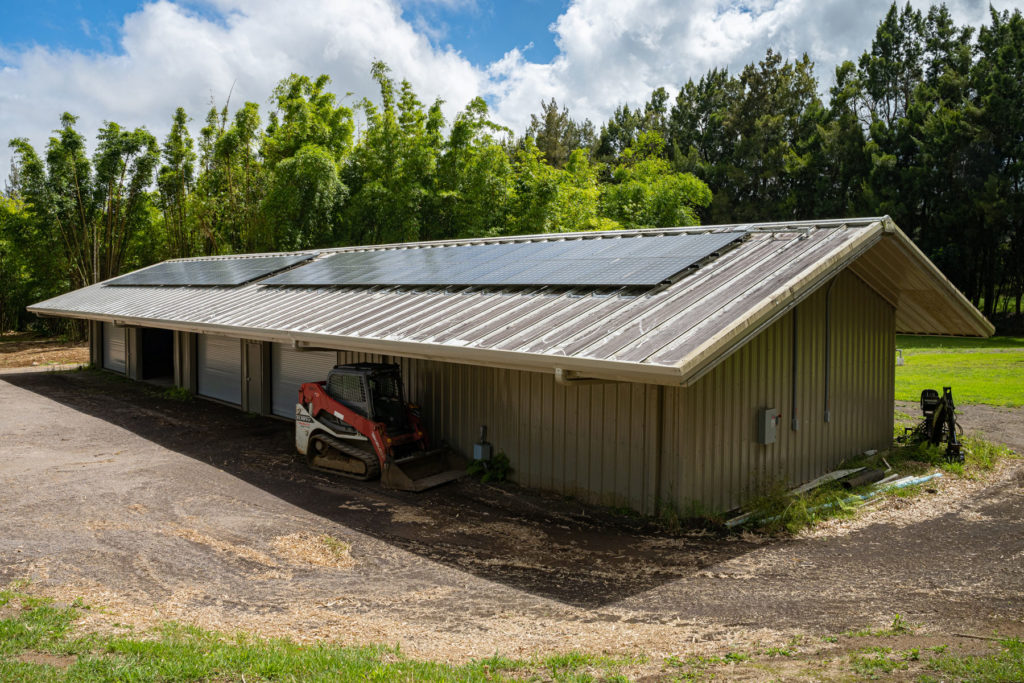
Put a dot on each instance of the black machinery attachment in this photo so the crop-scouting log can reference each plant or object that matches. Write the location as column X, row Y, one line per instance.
column 939, row 423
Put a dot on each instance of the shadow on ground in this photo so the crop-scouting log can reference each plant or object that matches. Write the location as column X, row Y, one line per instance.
column 544, row 545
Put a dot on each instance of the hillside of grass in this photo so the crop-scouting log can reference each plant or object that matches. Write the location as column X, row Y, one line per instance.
column 987, row 371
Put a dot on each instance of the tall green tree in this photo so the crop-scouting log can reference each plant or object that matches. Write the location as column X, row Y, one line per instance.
column 307, row 142
column 175, row 184
column 752, row 138
column 473, row 186
column 839, row 165
column 556, row 134
column 231, row 189
column 619, row 133
column 946, row 174
column 997, row 79
column 125, row 162
column 307, row 114
column 892, row 69
column 699, row 136
column 391, row 172
column 549, row 199
column 91, row 211
column 647, row 193
column 26, row 272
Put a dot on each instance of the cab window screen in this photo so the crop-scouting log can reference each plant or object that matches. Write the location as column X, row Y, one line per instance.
column 347, row 388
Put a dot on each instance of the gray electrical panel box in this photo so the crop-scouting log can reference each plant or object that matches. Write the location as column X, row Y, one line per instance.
column 768, row 424
column 482, row 449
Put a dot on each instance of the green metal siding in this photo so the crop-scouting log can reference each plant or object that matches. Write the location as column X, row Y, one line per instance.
column 711, row 457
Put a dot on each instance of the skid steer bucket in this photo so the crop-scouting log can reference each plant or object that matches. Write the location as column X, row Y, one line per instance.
column 423, row 470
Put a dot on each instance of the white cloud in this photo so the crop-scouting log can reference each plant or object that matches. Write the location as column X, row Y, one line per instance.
column 171, row 56
column 613, row 52
column 610, row 52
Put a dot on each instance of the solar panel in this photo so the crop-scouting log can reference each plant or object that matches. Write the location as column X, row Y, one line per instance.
column 209, row 272
column 611, row 261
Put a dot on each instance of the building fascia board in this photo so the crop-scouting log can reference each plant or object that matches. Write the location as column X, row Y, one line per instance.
column 616, row 371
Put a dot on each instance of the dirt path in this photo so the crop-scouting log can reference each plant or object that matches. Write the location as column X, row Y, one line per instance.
column 20, row 349
column 164, row 510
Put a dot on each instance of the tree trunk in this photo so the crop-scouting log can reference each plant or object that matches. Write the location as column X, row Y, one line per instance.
column 990, row 292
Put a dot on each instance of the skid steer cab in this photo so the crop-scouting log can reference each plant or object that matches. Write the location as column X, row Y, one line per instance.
column 358, row 424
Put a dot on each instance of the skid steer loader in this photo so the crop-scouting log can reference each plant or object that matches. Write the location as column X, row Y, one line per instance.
column 358, row 424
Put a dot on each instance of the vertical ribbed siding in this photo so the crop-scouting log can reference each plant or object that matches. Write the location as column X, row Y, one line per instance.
column 596, row 442
column 185, row 360
column 711, row 458
column 635, row 444
column 219, row 368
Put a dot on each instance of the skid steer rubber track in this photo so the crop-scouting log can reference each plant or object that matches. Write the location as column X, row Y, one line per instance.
column 336, row 456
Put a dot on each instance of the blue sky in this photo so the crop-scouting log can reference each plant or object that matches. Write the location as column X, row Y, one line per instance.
column 481, row 31
column 88, row 26
column 135, row 62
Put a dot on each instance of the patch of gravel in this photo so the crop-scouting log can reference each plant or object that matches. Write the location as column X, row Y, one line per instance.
column 315, row 550
column 220, row 526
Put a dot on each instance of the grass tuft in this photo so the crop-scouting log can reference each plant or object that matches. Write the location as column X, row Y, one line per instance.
column 872, row 666
column 1005, row 665
column 980, row 456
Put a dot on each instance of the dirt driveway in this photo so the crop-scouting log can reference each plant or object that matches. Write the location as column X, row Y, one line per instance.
column 157, row 510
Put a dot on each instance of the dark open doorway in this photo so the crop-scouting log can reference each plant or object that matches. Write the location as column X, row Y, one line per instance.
column 157, row 355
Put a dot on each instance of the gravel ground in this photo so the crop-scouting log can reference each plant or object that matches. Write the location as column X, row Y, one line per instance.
column 157, row 509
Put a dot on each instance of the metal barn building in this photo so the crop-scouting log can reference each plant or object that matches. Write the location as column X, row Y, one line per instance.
column 769, row 358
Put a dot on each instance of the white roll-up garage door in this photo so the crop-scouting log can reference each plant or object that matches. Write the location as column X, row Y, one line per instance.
column 290, row 368
column 113, row 348
column 219, row 368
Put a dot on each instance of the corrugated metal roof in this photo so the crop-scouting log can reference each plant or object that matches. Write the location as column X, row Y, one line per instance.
column 670, row 334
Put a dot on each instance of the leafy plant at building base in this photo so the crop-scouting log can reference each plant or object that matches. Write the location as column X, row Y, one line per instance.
column 498, row 468
column 177, row 394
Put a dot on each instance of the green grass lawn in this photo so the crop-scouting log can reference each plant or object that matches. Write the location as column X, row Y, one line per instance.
column 39, row 644
column 979, row 370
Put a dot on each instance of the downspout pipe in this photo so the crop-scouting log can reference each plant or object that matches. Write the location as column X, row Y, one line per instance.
column 794, row 421
column 828, row 350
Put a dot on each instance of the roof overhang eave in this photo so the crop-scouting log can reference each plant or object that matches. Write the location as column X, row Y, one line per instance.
column 704, row 359
column 579, row 368
column 979, row 323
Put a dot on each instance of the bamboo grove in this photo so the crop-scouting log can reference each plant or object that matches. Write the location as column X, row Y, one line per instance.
column 926, row 126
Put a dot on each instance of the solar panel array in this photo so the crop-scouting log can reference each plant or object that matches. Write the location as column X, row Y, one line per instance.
column 623, row 261
column 225, row 272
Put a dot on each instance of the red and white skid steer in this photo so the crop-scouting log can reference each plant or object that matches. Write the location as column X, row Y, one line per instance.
column 358, row 424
